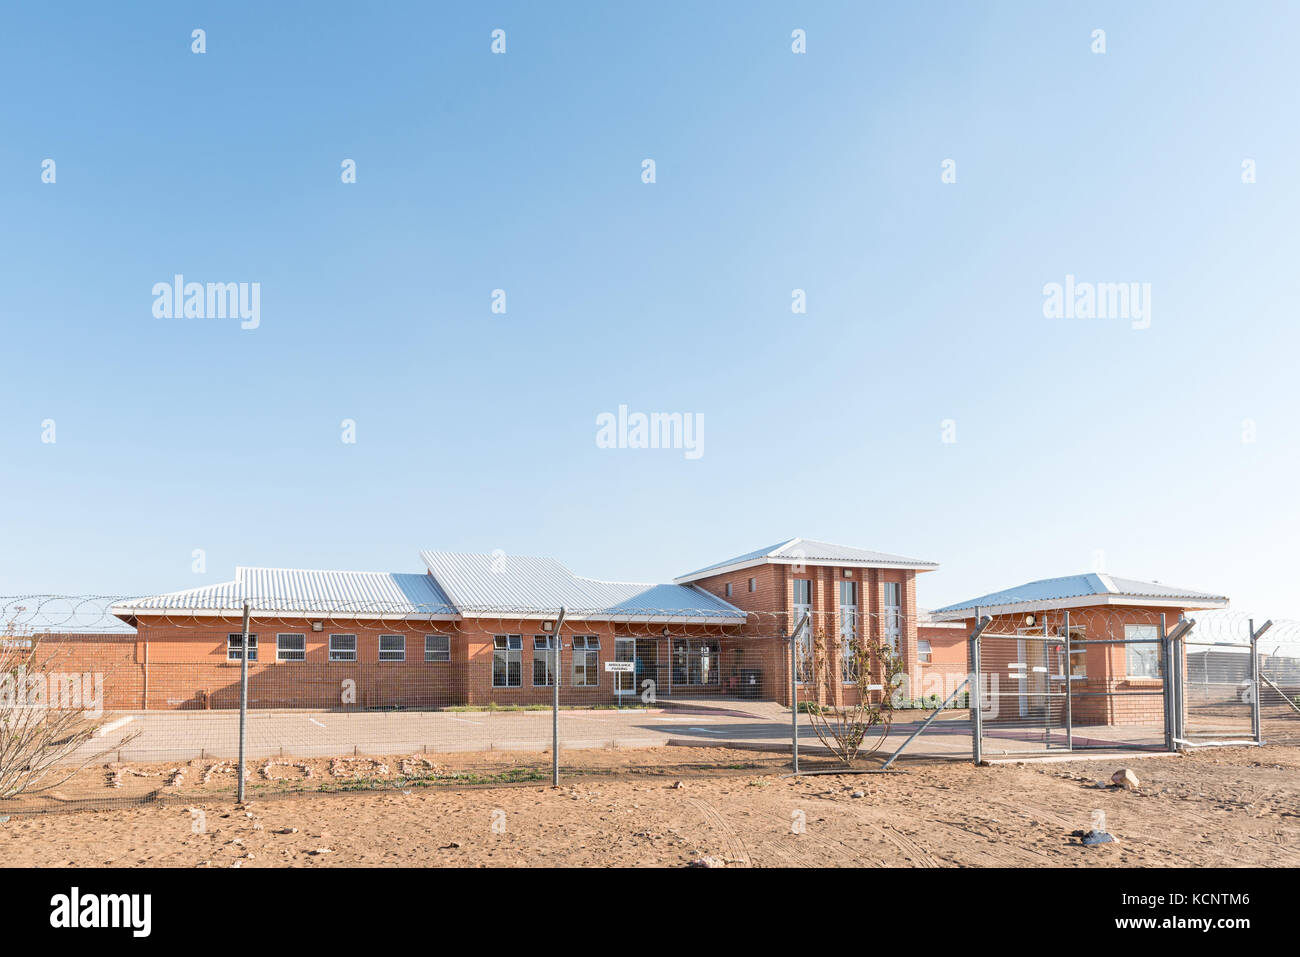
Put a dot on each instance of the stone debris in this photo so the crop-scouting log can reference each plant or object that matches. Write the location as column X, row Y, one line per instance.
column 1125, row 778
column 342, row 767
column 707, row 861
column 300, row 766
column 221, row 767
column 285, row 830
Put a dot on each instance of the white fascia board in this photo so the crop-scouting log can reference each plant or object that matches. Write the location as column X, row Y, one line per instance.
column 118, row 611
column 819, row 562
column 1084, row 601
column 551, row 614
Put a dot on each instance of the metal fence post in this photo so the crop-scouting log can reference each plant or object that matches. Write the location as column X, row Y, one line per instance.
column 977, row 713
column 243, row 708
column 1166, row 656
column 555, row 704
column 1255, row 729
column 1069, row 687
column 794, row 692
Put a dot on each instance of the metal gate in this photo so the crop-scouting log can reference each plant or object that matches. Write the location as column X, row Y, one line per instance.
column 1058, row 692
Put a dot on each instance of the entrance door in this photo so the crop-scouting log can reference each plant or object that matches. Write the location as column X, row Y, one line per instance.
column 625, row 650
column 647, row 665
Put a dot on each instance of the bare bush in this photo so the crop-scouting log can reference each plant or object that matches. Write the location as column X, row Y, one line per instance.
column 48, row 719
column 867, row 673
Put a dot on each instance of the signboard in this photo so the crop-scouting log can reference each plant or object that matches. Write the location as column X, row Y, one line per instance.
column 619, row 666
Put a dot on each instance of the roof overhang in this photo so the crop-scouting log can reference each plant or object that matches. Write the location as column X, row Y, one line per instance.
column 129, row 614
column 1083, row 601
column 549, row 614
column 819, row 562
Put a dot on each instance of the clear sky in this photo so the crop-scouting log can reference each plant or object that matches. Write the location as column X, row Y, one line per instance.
column 775, row 171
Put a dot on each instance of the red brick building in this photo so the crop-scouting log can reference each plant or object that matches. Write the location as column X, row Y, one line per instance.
column 478, row 629
column 1115, row 665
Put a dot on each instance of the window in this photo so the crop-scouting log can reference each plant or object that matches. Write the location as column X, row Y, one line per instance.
column 586, row 661
column 1142, row 660
column 848, row 632
column 923, row 653
column 437, row 647
column 696, row 662
column 507, row 661
column 543, row 661
column 392, row 647
column 753, row 584
column 892, row 599
column 1078, row 653
column 290, row 647
column 234, row 644
column 728, row 589
column 343, row 647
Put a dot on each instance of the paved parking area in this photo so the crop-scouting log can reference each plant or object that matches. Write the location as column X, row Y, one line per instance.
column 186, row 735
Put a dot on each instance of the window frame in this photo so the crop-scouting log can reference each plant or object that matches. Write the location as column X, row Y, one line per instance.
column 427, row 651
column 546, row 659
column 334, row 655
column 279, row 650
column 924, row 651
column 503, row 648
column 1153, row 643
column 390, row 652
column 235, row 652
column 586, row 657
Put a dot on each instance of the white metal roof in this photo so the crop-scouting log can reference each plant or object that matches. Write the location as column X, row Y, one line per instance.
column 305, row 591
column 807, row 551
column 1075, row 591
column 529, row 585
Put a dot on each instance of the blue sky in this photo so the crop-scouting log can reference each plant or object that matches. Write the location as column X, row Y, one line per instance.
column 774, row 171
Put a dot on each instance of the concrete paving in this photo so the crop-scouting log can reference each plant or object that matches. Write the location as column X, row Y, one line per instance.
column 157, row 736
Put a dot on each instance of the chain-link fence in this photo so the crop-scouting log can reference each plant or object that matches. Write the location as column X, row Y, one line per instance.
column 97, row 710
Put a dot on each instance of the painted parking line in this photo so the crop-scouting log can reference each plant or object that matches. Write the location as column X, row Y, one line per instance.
column 463, row 720
column 315, row 722
column 706, row 730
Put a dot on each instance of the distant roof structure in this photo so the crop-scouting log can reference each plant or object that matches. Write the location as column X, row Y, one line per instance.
column 808, row 551
column 1076, row 591
column 490, row 585
column 304, row 591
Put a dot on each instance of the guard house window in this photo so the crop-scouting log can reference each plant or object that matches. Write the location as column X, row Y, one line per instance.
column 728, row 589
column 892, row 600
column 233, row 644
column 437, row 647
column 586, row 661
column 753, row 584
column 543, row 661
column 848, row 631
column 923, row 652
column 1142, row 660
column 343, row 647
column 507, row 661
column 392, row 647
column 290, row 647
column 696, row 662
column 1078, row 653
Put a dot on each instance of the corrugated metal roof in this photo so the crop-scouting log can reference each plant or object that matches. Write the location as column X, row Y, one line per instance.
column 306, row 591
column 1072, row 587
column 811, row 551
column 525, row 583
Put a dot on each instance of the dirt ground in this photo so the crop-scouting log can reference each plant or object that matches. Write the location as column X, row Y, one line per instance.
column 1217, row 807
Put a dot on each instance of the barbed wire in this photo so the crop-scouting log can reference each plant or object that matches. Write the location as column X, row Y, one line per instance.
column 35, row 614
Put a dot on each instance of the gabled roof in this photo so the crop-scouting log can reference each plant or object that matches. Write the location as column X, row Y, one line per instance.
column 491, row 585
column 1075, row 591
column 807, row 551
column 305, row 591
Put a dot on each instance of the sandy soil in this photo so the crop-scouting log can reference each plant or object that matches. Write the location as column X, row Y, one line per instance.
column 1215, row 807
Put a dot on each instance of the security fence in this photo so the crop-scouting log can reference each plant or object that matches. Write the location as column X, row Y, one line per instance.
column 95, row 713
